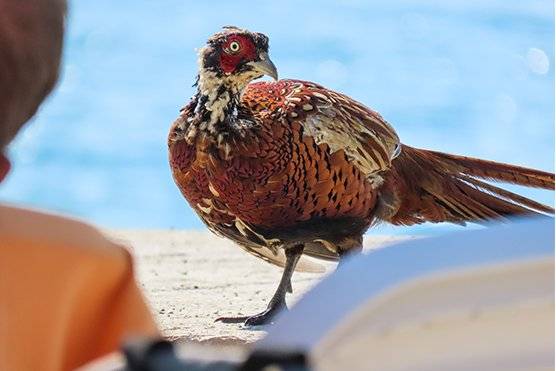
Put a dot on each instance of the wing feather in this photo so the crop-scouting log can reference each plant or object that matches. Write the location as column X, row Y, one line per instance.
column 343, row 124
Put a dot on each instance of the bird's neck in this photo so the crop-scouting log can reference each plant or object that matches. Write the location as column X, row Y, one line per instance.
column 218, row 100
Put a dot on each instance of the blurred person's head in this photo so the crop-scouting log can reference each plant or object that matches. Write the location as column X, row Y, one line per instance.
column 31, row 35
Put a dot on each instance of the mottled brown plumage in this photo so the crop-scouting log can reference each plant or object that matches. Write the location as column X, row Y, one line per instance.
column 289, row 167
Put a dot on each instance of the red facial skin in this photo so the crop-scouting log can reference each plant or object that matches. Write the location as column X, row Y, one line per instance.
column 229, row 60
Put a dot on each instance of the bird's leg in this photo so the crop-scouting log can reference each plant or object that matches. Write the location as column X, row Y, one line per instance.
column 278, row 300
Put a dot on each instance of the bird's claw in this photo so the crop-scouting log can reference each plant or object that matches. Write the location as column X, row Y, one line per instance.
column 232, row 319
column 263, row 318
column 266, row 317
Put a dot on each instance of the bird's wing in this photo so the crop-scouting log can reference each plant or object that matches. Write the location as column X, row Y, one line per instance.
column 334, row 119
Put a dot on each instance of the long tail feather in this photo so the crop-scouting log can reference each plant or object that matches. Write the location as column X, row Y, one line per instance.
column 498, row 171
column 439, row 187
column 531, row 204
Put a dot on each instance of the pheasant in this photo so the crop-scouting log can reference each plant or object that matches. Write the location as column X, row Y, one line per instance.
column 290, row 168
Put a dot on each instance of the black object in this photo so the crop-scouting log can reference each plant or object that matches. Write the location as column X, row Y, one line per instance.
column 287, row 361
column 159, row 355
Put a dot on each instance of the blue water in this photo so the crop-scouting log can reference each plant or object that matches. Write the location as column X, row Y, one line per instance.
column 467, row 77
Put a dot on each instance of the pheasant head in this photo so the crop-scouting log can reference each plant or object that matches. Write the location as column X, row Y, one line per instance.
column 231, row 59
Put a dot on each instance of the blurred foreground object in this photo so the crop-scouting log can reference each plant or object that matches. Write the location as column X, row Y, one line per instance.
column 31, row 38
column 67, row 293
column 475, row 300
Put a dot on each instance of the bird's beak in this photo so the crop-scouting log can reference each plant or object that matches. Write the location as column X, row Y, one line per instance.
column 265, row 66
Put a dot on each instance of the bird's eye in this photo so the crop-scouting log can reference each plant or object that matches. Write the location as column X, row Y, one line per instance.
column 234, row 47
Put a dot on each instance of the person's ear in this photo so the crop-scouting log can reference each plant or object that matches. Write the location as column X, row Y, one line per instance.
column 4, row 166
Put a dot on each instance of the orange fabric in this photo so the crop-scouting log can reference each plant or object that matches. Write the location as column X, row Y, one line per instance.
column 67, row 293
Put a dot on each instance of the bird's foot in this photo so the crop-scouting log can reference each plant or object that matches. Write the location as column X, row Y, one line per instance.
column 232, row 319
column 266, row 317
